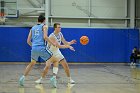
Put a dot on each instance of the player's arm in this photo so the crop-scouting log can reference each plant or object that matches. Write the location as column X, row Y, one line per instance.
column 68, row 43
column 57, row 44
column 46, row 38
column 29, row 38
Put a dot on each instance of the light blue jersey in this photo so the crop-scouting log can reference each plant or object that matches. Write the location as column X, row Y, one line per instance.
column 38, row 44
column 37, row 35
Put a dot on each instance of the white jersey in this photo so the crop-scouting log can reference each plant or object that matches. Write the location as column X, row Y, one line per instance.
column 55, row 50
column 58, row 38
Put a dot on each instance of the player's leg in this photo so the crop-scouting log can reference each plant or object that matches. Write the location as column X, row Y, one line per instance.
column 29, row 67
column 67, row 70
column 55, row 71
column 55, row 68
column 65, row 66
column 34, row 58
column 27, row 70
column 45, row 55
column 62, row 60
column 45, row 71
column 132, row 59
column 135, row 58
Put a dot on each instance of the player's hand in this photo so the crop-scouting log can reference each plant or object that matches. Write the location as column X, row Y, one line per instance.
column 73, row 42
column 71, row 48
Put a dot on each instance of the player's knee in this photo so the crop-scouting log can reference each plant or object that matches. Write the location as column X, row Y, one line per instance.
column 63, row 62
column 33, row 62
column 48, row 63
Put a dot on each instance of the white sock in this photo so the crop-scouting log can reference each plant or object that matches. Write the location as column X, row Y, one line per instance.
column 55, row 70
column 23, row 76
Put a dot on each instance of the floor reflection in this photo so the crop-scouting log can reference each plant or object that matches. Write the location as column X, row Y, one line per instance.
column 135, row 73
column 42, row 89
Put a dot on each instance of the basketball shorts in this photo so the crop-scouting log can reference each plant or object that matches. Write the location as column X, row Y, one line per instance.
column 40, row 51
column 58, row 55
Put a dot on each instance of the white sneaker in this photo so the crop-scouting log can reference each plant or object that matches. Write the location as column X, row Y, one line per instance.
column 131, row 63
column 72, row 81
column 134, row 64
column 38, row 81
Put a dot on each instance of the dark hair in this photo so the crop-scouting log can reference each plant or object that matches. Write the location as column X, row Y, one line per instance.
column 41, row 18
column 55, row 25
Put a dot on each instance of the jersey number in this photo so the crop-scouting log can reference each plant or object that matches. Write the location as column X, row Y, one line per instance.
column 37, row 32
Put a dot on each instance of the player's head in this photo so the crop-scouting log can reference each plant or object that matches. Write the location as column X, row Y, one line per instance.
column 57, row 27
column 41, row 19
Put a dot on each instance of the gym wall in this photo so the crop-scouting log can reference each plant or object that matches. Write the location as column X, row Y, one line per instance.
column 105, row 45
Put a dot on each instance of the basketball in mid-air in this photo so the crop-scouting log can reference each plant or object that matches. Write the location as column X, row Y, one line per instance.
column 84, row 40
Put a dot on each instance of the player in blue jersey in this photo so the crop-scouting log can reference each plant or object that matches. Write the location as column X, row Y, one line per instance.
column 37, row 37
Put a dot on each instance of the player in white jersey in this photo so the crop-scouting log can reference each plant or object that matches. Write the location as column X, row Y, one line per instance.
column 57, row 38
column 58, row 58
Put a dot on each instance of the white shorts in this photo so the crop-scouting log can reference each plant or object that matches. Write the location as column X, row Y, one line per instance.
column 58, row 54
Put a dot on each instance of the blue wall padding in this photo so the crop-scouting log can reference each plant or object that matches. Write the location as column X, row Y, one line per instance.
column 105, row 45
column 13, row 46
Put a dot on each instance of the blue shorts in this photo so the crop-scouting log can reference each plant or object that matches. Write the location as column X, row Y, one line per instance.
column 40, row 51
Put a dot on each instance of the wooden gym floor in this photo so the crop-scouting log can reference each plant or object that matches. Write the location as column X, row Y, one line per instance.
column 89, row 78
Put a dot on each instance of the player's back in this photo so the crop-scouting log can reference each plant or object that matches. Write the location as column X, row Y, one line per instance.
column 37, row 35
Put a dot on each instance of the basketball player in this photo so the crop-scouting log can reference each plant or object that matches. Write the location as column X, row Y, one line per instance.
column 57, row 37
column 36, row 39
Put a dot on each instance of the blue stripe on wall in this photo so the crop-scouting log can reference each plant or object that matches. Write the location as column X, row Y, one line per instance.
column 105, row 45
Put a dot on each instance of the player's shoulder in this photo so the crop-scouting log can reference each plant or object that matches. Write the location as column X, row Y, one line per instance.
column 33, row 26
column 60, row 34
column 45, row 26
column 51, row 35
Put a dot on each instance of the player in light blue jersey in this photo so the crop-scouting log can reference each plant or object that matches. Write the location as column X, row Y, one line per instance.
column 36, row 39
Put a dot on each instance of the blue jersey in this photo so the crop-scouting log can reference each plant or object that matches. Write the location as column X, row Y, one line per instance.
column 38, row 44
column 37, row 35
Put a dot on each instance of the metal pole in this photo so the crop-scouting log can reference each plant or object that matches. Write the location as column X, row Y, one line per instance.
column 126, row 13
column 132, row 13
column 47, row 11
column 89, row 15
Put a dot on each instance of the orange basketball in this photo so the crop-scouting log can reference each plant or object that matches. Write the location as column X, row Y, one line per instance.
column 84, row 40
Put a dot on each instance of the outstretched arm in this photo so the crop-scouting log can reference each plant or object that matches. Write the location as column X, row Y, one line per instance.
column 68, row 43
column 57, row 44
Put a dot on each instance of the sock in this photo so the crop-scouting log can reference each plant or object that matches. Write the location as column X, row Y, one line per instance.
column 23, row 76
column 55, row 70
column 54, row 76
